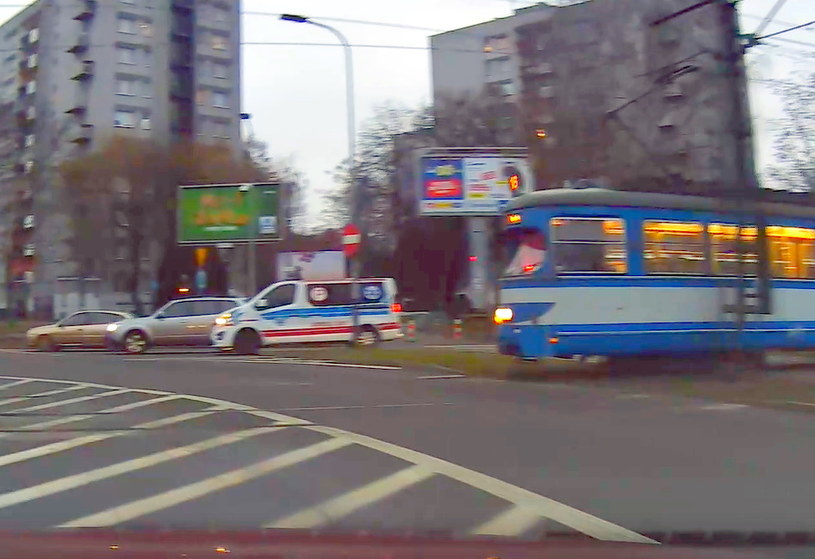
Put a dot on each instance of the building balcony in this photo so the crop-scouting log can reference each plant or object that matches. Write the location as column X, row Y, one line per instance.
column 80, row 45
column 83, row 135
column 85, row 71
column 77, row 110
column 86, row 11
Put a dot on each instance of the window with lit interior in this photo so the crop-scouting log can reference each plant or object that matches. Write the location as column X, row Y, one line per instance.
column 674, row 247
column 588, row 244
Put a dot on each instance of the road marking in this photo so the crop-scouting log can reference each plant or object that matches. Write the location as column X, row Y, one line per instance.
column 512, row 522
column 141, row 507
column 106, row 472
column 793, row 402
column 27, row 397
column 372, row 406
column 87, row 384
column 322, row 364
column 723, row 407
column 439, row 377
column 547, row 508
column 72, row 401
column 81, row 417
column 633, row 396
column 62, row 446
column 16, row 383
column 466, row 348
column 353, row 500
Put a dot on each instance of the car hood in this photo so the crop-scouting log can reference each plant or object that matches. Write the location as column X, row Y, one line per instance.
column 37, row 330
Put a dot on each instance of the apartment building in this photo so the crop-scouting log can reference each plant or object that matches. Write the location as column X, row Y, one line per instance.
column 598, row 92
column 75, row 72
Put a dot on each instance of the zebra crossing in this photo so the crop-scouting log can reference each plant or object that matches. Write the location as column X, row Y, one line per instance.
column 87, row 455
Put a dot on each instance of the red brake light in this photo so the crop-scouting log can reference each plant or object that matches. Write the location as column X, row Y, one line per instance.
column 396, row 307
column 529, row 268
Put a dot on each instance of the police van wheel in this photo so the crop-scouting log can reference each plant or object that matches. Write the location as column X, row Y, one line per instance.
column 367, row 336
column 247, row 342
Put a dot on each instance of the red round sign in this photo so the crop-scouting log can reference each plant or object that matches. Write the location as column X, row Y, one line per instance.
column 351, row 237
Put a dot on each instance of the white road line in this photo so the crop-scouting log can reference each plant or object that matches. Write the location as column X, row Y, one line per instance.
column 73, row 400
column 723, row 407
column 141, row 507
column 353, row 500
column 81, row 417
column 27, row 397
column 62, row 446
column 512, row 522
column 633, row 396
column 106, row 472
column 372, row 406
column 321, row 364
column 87, row 384
column 16, row 383
column 439, row 377
column 548, row 508
column 794, row 403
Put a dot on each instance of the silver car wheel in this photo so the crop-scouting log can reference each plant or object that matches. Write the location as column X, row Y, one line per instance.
column 135, row 342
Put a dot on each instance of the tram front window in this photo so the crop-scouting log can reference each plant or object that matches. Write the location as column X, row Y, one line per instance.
column 527, row 248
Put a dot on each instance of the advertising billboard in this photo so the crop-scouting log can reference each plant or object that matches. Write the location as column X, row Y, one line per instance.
column 321, row 265
column 228, row 213
column 471, row 184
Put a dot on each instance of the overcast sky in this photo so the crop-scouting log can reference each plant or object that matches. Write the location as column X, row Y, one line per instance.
column 295, row 93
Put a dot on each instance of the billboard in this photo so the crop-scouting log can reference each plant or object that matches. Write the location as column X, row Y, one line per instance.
column 321, row 265
column 478, row 184
column 228, row 213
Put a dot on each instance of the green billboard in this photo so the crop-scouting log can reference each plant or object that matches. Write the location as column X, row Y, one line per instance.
column 228, row 213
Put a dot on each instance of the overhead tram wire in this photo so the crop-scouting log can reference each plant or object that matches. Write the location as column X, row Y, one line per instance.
column 770, row 16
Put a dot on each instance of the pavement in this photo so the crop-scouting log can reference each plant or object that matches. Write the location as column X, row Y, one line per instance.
column 190, row 439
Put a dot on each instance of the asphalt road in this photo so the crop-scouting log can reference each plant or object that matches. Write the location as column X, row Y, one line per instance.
column 193, row 440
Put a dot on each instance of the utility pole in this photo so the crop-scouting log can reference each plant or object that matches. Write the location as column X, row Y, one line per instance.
column 744, row 193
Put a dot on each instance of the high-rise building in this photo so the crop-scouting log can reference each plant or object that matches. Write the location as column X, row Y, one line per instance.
column 598, row 92
column 73, row 73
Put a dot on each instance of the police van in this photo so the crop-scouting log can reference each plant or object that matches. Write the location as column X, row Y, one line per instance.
column 311, row 311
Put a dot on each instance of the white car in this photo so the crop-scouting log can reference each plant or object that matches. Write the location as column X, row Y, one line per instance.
column 183, row 322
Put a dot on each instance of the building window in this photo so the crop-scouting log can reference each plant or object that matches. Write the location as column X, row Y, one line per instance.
column 507, row 88
column 145, row 123
column 34, row 35
column 497, row 68
column 218, row 42
column 29, row 140
column 126, row 55
column 31, row 87
column 220, row 70
column 32, row 61
column 146, row 29
column 124, row 119
column 126, row 25
column 220, row 99
column 589, row 245
column 674, row 247
column 126, row 86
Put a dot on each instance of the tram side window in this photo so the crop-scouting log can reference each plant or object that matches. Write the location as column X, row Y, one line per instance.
column 791, row 252
column 674, row 247
column 724, row 244
column 589, row 245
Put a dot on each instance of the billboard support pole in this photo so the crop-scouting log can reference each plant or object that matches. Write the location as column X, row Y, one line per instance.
column 252, row 271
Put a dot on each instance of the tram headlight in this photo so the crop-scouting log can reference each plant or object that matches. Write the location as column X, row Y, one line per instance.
column 502, row 314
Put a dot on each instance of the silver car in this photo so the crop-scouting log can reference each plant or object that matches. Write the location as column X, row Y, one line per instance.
column 183, row 322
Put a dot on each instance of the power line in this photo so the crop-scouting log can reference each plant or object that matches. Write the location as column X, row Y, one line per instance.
column 787, row 30
column 770, row 16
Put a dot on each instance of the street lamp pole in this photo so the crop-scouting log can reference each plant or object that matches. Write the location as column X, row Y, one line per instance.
column 352, row 135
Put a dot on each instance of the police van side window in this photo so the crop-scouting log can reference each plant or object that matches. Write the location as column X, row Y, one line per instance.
column 329, row 294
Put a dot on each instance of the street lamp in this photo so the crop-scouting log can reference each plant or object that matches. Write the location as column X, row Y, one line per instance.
column 352, row 134
column 349, row 95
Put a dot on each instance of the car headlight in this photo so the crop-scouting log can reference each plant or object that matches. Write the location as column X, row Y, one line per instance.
column 502, row 314
column 112, row 327
column 224, row 320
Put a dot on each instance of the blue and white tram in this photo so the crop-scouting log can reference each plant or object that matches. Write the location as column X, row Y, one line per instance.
column 602, row 272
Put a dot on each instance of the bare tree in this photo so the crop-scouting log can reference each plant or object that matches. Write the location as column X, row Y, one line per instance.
column 794, row 166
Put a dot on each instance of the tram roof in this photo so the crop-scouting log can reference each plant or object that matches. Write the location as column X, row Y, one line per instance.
column 799, row 205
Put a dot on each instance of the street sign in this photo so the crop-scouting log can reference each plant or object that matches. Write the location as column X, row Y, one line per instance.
column 351, row 238
column 228, row 213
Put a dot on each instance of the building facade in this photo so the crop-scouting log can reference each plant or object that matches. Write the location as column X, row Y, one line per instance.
column 78, row 72
column 600, row 93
